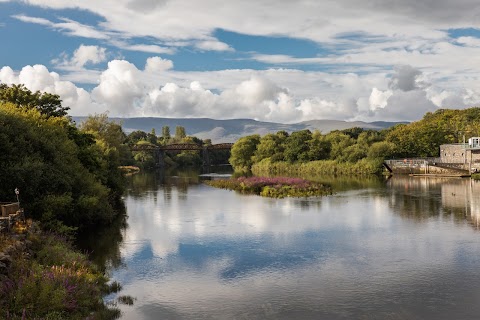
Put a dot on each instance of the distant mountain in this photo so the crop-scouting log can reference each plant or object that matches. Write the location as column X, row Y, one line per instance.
column 230, row 130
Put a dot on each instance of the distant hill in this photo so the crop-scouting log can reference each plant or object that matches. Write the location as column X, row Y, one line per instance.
column 230, row 130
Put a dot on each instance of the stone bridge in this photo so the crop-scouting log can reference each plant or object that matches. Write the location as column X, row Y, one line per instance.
column 159, row 151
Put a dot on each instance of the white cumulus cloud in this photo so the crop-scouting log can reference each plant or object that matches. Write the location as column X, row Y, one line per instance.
column 280, row 95
column 157, row 64
column 82, row 56
column 38, row 78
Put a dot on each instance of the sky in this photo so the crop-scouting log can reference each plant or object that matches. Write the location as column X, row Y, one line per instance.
column 280, row 61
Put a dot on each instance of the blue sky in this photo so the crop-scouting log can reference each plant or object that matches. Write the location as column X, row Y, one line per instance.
column 283, row 61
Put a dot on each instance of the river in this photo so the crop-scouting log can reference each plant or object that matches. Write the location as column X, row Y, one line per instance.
column 399, row 248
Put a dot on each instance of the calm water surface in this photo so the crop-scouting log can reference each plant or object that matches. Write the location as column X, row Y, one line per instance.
column 403, row 248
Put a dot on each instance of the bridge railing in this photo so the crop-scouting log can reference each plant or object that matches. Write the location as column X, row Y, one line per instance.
column 182, row 146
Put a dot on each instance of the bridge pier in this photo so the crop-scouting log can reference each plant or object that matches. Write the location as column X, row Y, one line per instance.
column 159, row 158
column 205, row 156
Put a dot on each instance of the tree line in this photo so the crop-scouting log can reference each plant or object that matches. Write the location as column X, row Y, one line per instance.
column 356, row 145
column 183, row 158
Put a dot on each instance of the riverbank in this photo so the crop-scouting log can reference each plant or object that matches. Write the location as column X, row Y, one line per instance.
column 43, row 277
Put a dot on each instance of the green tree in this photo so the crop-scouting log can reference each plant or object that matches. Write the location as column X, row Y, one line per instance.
column 166, row 133
column 269, row 146
column 111, row 146
column 42, row 157
column 318, row 147
column 339, row 142
column 136, row 136
column 242, row 152
column 48, row 104
column 180, row 133
column 103, row 129
column 382, row 150
column 152, row 136
column 296, row 146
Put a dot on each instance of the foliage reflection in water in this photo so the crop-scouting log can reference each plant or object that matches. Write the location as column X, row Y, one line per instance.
column 402, row 248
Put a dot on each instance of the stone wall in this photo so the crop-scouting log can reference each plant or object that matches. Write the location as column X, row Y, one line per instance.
column 453, row 153
column 473, row 156
column 422, row 167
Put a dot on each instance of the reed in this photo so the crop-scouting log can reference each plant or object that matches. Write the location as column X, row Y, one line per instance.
column 325, row 167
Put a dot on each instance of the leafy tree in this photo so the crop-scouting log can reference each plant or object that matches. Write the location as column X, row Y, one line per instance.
column 152, row 136
column 242, row 152
column 318, row 147
column 180, row 133
column 47, row 159
column 269, row 146
column 352, row 132
column 382, row 150
column 111, row 145
column 48, row 104
column 296, row 146
column 339, row 142
column 103, row 129
column 166, row 133
column 136, row 136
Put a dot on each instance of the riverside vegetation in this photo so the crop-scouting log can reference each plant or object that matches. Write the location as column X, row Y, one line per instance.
column 70, row 183
column 352, row 151
column 48, row 279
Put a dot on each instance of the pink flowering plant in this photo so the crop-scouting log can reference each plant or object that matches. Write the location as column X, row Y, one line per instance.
column 273, row 187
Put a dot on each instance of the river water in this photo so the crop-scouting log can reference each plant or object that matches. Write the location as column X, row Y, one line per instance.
column 399, row 248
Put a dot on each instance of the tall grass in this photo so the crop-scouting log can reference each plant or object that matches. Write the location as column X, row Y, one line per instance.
column 327, row 167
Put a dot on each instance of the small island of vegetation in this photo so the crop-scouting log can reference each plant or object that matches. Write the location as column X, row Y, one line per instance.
column 275, row 187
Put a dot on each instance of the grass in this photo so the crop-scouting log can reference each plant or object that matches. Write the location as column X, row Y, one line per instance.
column 273, row 187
